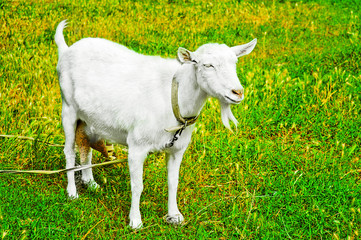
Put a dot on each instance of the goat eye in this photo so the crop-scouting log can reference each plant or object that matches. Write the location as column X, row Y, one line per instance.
column 208, row 65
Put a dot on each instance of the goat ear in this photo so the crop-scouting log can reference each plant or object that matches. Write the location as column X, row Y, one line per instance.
column 185, row 56
column 244, row 49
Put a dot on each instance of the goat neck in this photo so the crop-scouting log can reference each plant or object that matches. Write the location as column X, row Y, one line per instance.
column 191, row 97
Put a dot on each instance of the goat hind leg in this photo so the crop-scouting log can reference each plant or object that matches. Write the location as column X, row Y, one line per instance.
column 85, row 152
column 69, row 125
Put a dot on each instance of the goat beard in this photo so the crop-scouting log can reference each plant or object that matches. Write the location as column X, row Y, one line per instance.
column 227, row 115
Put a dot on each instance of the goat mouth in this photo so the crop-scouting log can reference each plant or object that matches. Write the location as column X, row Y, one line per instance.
column 232, row 100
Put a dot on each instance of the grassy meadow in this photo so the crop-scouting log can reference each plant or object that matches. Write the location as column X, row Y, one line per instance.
column 291, row 169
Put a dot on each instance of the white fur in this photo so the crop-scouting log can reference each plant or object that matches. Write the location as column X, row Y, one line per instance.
column 125, row 97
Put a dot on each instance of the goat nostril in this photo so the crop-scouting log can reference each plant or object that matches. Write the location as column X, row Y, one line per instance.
column 238, row 92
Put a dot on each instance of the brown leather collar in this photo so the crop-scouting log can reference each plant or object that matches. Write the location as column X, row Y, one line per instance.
column 185, row 121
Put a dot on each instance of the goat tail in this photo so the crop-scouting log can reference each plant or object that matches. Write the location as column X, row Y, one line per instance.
column 59, row 38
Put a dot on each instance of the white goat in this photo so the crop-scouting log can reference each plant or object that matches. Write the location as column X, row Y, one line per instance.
column 113, row 93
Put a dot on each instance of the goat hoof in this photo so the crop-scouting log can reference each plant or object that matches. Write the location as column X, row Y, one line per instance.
column 92, row 185
column 73, row 196
column 175, row 219
column 136, row 224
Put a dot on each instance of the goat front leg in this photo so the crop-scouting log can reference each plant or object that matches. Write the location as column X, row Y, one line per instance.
column 136, row 159
column 174, row 161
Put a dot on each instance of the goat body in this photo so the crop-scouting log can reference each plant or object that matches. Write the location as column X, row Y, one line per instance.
column 111, row 92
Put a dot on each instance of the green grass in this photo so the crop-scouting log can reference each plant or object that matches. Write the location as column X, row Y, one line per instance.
column 290, row 171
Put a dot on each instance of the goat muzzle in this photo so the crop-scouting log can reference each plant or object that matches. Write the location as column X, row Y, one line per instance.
column 238, row 92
